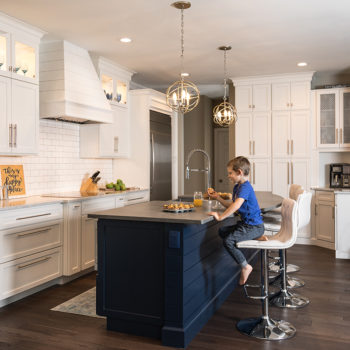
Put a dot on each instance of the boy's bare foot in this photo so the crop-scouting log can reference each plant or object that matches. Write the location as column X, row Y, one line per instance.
column 245, row 272
column 262, row 238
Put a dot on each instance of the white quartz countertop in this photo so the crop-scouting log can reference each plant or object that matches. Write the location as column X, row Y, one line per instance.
column 63, row 197
column 328, row 189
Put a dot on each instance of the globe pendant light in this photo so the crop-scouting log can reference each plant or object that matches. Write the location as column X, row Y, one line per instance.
column 225, row 113
column 182, row 96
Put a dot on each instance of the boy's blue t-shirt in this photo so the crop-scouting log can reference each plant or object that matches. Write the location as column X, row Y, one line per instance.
column 249, row 211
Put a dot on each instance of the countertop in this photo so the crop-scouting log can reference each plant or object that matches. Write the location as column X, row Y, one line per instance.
column 64, row 197
column 153, row 211
column 328, row 189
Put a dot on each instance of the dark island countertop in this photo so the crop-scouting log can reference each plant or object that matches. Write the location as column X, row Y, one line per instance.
column 153, row 211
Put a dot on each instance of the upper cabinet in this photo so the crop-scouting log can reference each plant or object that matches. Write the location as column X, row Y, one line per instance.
column 333, row 118
column 19, row 90
column 253, row 97
column 115, row 80
column 294, row 95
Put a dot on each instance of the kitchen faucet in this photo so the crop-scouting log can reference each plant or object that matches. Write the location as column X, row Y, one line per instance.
column 207, row 170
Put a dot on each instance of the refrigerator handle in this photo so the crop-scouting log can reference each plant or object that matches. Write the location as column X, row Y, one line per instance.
column 152, row 146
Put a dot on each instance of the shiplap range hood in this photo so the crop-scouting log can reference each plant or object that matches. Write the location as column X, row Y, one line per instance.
column 70, row 89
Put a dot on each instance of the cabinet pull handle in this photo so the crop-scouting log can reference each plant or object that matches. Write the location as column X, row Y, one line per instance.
column 253, row 173
column 315, row 209
column 19, row 267
column 287, row 104
column 333, row 214
column 10, row 68
column 15, row 135
column 32, row 232
column 287, row 146
column 134, row 199
column 287, row 173
column 341, row 135
column 336, row 135
column 10, row 135
column 291, row 104
column 291, row 147
column 253, row 148
column 250, row 106
column 253, row 106
column 291, row 172
column 33, row 216
column 76, row 206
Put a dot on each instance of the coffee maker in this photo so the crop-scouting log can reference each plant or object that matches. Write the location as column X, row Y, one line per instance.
column 340, row 175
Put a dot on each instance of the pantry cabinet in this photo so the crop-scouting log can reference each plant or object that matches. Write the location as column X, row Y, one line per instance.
column 333, row 118
column 253, row 97
column 260, row 174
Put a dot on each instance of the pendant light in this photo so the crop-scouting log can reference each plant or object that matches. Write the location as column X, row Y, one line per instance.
column 182, row 96
column 225, row 113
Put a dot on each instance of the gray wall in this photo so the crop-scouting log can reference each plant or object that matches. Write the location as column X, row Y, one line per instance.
column 320, row 79
column 198, row 133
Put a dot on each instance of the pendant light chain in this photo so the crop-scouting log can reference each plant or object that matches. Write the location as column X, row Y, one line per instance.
column 182, row 41
column 225, row 77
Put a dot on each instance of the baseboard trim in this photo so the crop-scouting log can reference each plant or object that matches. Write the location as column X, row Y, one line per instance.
column 67, row 279
column 305, row 241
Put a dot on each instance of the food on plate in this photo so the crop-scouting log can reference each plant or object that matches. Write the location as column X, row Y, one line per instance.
column 178, row 207
column 225, row 195
column 210, row 190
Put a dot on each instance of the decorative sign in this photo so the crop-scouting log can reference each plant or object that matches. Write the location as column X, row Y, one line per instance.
column 13, row 177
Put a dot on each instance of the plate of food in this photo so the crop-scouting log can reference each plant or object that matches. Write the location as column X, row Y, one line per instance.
column 178, row 207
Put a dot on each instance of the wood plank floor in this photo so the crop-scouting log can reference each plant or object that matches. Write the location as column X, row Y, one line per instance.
column 324, row 324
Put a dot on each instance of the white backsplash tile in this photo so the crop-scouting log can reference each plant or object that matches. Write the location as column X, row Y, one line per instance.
column 58, row 166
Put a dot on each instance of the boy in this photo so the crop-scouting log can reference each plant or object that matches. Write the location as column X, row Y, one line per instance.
column 244, row 202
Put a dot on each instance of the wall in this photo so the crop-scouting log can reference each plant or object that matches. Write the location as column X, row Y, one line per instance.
column 320, row 79
column 198, row 133
column 58, row 167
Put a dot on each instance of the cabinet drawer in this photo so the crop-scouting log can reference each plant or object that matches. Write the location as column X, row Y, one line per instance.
column 326, row 196
column 15, row 243
column 25, row 273
column 136, row 197
column 31, row 215
column 120, row 201
column 93, row 205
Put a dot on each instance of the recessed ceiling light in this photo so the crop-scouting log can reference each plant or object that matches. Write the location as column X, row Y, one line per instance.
column 302, row 64
column 185, row 74
column 125, row 40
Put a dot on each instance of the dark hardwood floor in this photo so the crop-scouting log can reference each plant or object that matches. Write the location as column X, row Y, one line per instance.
column 324, row 324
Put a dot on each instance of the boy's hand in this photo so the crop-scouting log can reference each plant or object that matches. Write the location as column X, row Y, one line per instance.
column 215, row 214
column 212, row 194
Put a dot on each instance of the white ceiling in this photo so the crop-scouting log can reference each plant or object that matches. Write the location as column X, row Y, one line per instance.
column 267, row 37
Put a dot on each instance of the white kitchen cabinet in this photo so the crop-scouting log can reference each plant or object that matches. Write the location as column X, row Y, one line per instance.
column 290, row 134
column 107, row 140
column 253, row 135
column 260, row 174
column 88, row 242
column 293, row 95
column 254, row 97
column 325, row 216
column 286, row 171
column 136, row 197
column 342, row 224
column 333, row 118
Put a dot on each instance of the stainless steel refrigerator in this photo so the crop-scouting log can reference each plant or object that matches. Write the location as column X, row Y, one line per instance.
column 160, row 167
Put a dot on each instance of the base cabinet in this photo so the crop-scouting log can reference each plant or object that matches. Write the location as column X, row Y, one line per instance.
column 88, row 242
column 325, row 216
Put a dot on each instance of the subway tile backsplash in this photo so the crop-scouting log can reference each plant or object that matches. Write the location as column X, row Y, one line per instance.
column 58, row 166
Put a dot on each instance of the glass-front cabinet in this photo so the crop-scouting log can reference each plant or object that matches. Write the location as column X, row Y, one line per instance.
column 333, row 118
column 18, row 57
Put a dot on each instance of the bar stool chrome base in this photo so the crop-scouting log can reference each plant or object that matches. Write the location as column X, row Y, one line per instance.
column 266, row 328
column 291, row 268
column 287, row 299
column 292, row 282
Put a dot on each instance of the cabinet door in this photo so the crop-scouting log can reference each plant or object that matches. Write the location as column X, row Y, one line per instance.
column 261, row 178
column 300, row 95
column 281, row 177
column 72, row 242
column 299, row 134
column 300, row 172
column 5, row 53
column 243, row 139
column 261, row 135
column 280, row 134
column 106, row 140
column 5, row 115
column 88, row 242
column 261, row 97
column 281, row 96
column 328, row 118
column 25, row 64
column 324, row 221
column 243, row 98
column 121, row 132
column 344, row 132
column 25, row 117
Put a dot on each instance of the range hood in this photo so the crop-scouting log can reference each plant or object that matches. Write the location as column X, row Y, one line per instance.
column 70, row 89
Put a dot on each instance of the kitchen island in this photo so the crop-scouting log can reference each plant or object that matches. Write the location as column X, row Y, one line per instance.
column 162, row 274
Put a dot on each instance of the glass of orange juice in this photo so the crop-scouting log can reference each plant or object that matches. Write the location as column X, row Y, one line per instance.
column 198, row 199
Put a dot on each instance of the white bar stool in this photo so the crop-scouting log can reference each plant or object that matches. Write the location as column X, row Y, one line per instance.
column 264, row 327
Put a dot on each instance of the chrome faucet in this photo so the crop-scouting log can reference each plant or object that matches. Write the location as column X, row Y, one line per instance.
column 207, row 170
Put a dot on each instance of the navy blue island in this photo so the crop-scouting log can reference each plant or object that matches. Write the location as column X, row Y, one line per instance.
column 161, row 274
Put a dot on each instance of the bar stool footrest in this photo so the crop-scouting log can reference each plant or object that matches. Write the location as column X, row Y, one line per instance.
column 256, row 297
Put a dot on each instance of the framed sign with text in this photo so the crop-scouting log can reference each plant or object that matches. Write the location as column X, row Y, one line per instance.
column 13, row 177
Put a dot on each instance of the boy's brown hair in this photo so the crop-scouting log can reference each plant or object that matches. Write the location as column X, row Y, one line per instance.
column 240, row 163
